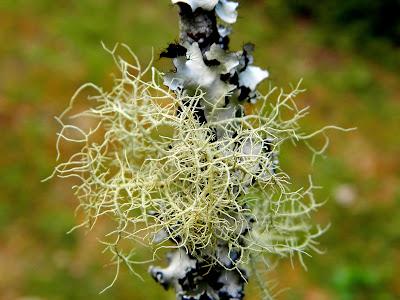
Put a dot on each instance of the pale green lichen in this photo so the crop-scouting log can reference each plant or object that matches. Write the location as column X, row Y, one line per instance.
column 159, row 177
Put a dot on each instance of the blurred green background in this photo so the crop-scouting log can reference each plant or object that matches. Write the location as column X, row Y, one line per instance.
column 346, row 51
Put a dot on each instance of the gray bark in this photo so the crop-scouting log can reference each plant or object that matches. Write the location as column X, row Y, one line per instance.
column 194, row 278
column 199, row 26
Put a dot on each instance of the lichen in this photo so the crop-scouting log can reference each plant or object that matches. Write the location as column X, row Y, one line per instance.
column 161, row 176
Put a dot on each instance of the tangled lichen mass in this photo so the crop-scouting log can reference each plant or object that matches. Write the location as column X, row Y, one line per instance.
column 161, row 175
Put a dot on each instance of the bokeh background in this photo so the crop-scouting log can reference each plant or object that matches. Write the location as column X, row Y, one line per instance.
column 348, row 54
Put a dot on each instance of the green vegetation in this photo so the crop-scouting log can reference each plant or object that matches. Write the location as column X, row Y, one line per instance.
column 367, row 26
column 50, row 49
column 365, row 19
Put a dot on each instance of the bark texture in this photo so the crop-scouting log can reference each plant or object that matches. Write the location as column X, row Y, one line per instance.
column 197, row 26
column 202, row 60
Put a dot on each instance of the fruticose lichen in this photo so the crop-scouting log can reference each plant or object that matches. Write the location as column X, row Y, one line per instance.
column 173, row 160
column 160, row 176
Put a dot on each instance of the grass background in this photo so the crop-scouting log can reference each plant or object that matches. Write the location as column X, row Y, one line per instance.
column 48, row 48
